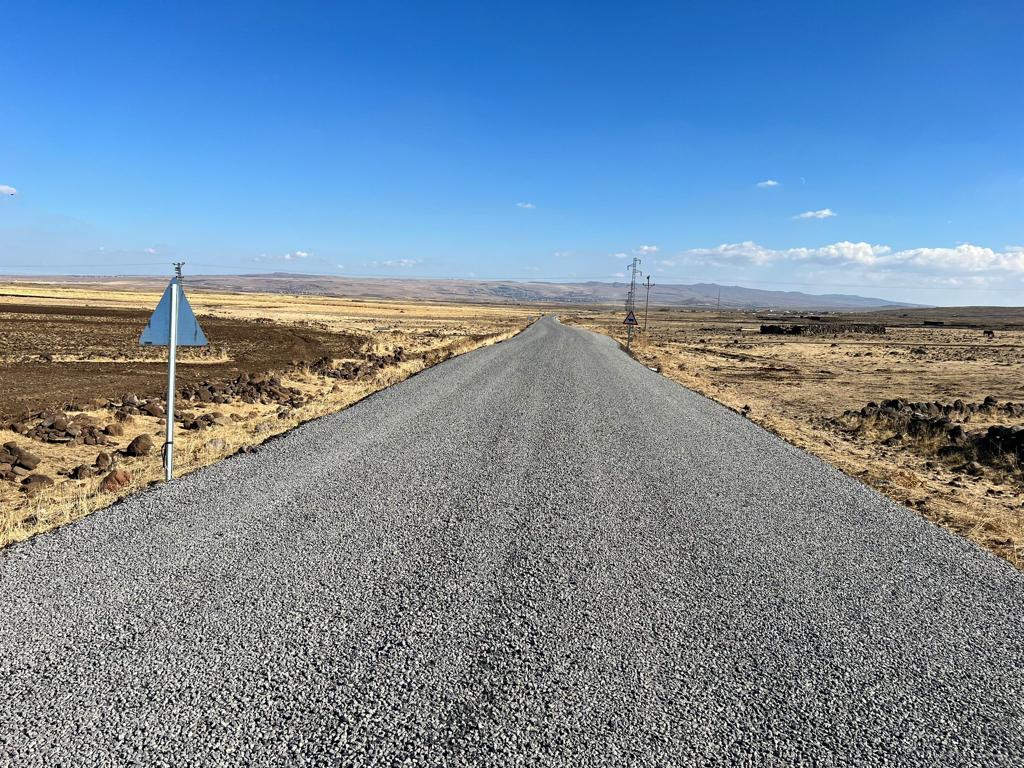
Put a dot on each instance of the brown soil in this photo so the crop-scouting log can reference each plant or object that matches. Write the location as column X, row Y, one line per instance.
column 76, row 336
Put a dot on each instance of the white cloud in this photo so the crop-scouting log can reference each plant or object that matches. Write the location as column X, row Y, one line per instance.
column 525, row 205
column 643, row 250
column 399, row 262
column 619, row 255
column 7, row 190
column 151, row 251
column 824, row 213
column 767, row 184
column 340, row 266
column 971, row 258
column 963, row 258
column 290, row 256
column 667, row 263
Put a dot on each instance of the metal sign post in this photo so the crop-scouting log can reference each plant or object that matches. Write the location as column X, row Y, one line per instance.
column 629, row 322
column 172, row 358
column 173, row 323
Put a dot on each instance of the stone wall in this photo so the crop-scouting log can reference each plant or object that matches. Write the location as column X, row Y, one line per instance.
column 822, row 329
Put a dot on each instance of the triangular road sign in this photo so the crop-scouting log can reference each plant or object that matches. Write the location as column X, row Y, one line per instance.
column 630, row 319
column 158, row 330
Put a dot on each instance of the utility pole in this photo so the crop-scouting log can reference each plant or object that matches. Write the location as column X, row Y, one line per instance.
column 631, row 301
column 647, row 301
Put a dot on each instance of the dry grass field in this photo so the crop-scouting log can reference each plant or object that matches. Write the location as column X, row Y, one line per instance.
column 74, row 384
column 811, row 390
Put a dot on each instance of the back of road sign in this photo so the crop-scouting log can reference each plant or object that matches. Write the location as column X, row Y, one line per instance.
column 158, row 330
column 630, row 319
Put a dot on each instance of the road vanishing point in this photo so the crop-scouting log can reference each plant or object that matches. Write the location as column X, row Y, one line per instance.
column 538, row 553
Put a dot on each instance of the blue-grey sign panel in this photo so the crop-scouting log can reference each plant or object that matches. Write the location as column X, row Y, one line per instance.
column 158, row 330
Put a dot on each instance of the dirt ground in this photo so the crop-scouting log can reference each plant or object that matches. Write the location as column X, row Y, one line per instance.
column 802, row 387
column 72, row 373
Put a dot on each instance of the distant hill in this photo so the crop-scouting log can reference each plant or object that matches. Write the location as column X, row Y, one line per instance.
column 504, row 291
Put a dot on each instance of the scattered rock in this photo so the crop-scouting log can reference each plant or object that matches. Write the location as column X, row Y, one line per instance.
column 81, row 472
column 140, row 446
column 59, row 427
column 103, row 461
column 216, row 445
column 153, row 408
column 116, row 481
column 35, row 483
column 957, row 436
column 22, row 457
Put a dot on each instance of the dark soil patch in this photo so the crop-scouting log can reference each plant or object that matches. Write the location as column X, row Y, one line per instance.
column 28, row 331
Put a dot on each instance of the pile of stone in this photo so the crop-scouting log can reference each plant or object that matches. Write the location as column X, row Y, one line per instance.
column 17, row 465
column 70, row 427
column 920, row 420
column 251, row 388
column 958, row 409
column 1000, row 441
column 61, row 427
column 352, row 370
column 16, row 462
column 822, row 329
column 133, row 405
column 206, row 420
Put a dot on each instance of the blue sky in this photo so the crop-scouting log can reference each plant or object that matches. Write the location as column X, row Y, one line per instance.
column 528, row 140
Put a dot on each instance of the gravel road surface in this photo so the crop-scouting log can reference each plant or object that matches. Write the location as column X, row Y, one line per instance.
column 539, row 553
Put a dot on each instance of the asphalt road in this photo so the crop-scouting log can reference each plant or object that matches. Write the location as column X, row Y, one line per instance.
column 539, row 553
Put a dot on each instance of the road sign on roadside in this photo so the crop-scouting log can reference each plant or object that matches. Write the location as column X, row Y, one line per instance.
column 158, row 330
column 173, row 323
column 630, row 319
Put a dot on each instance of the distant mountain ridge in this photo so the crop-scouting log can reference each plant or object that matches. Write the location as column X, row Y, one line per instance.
column 698, row 295
column 542, row 292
